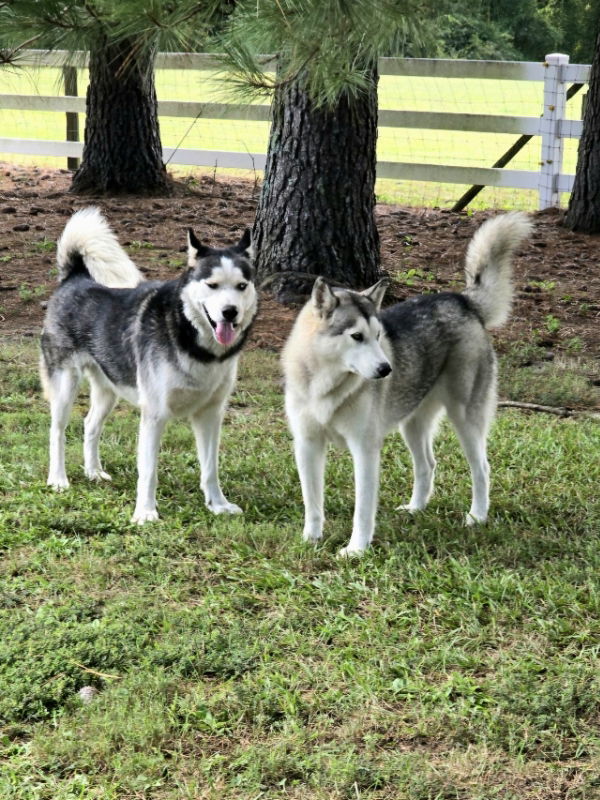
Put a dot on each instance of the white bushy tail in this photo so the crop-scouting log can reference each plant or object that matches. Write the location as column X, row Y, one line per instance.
column 88, row 235
column 488, row 265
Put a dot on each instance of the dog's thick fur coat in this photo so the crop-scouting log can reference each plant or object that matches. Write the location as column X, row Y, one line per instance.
column 169, row 347
column 353, row 373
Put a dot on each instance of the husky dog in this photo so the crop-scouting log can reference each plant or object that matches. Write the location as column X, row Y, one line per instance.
column 353, row 373
column 169, row 347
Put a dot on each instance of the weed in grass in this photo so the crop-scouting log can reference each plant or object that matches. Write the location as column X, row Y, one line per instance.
column 413, row 276
column 44, row 245
column 546, row 286
column 141, row 245
column 29, row 293
column 552, row 323
column 5, row 259
column 574, row 344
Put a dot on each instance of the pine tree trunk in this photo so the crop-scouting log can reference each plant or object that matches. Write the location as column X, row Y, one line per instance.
column 122, row 150
column 316, row 209
column 584, row 206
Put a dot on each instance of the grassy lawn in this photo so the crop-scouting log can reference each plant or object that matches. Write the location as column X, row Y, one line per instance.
column 232, row 661
column 521, row 98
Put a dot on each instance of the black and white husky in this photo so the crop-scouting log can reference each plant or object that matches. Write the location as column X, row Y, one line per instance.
column 169, row 347
column 353, row 373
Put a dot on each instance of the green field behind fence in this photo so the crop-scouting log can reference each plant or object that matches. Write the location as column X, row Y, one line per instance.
column 458, row 95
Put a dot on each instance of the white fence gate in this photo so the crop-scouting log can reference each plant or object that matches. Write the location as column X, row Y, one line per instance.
column 552, row 126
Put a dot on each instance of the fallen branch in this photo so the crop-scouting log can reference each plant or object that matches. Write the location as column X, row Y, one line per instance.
column 557, row 410
column 95, row 672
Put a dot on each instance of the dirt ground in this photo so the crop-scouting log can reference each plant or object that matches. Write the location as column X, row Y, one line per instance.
column 557, row 273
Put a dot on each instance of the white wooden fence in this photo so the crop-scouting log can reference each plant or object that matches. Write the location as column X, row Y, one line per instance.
column 552, row 126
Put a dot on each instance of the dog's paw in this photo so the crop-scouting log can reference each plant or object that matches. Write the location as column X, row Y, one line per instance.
column 144, row 515
column 471, row 520
column 351, row 552
column 410, row 508
column 97, row 475
column 312, row 536
column 58, row 484
column 224, row 508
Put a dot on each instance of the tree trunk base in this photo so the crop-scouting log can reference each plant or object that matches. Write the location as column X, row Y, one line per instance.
column 90, row 184
column 293, row 288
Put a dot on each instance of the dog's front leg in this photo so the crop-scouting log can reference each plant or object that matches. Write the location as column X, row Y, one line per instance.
column 310, row 460
column 151, row 428
column 366, row 458
column 207, row 432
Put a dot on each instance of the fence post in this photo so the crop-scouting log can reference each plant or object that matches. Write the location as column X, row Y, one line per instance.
column 70, row 81
column 555, row 101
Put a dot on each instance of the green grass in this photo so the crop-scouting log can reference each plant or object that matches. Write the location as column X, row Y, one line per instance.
column 521, row 98
column 529, row 373
column 240, row 663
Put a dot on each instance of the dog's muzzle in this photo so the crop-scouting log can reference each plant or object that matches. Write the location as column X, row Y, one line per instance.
column 225, row 330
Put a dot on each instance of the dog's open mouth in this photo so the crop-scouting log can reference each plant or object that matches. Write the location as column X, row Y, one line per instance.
column 224, row 331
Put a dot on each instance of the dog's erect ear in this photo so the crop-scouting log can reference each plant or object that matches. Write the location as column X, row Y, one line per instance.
column 376, row 292
column 245, row 245
column 323, row 298
column 195, row 248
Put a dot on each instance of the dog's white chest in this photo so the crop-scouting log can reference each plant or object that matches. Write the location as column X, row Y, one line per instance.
column 201, row 386
column 187, row 402
column 327, row 398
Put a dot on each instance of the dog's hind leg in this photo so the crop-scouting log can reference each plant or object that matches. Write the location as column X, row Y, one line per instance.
column 471, row 429
column 61, row 387
column 418, row 432
column 102, row 401
column 206, row 426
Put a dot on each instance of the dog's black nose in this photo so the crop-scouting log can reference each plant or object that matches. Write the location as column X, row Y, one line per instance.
column 229, row 313
column 383, row 369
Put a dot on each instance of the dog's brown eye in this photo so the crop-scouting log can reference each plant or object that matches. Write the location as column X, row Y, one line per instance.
column 241, row 286
column 213, row 285
column 358, row 337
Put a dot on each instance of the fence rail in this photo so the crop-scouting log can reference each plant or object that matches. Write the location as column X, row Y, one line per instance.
column 554, row 74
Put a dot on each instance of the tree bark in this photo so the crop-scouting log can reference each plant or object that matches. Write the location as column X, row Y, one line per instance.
column 316, row 208
column 584, row 205
column 122, row 151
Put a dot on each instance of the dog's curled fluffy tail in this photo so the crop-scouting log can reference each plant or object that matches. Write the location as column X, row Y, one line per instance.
column 88, row 244
column 488, row 266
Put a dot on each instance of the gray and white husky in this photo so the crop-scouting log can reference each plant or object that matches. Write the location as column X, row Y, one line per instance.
column 353, row 373
column 169, row 347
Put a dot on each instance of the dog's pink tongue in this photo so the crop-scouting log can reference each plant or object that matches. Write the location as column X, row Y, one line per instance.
column 225, row 332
